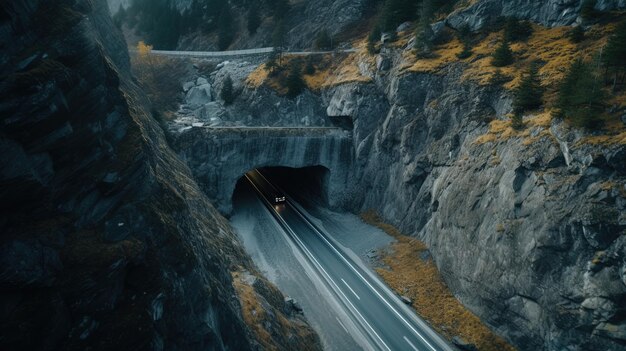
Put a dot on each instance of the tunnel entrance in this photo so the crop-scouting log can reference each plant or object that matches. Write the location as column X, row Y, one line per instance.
column 307, row 185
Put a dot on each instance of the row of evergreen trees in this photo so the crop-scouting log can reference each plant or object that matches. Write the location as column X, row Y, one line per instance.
column 583, row 93
column 162, row 24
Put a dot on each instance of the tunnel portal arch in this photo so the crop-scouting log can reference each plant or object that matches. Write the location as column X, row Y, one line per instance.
column 219, row 158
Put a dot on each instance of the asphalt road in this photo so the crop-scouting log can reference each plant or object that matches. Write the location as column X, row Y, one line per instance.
column 382, row 317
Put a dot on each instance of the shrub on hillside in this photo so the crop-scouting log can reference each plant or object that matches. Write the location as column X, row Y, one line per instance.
column 503, row 56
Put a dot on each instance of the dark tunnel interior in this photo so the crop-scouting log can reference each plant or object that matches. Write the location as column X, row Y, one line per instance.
column 307, row 185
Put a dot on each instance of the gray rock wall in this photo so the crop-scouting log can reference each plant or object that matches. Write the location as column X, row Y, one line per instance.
column 549, row 13
column 517, row 229
column 219, row 158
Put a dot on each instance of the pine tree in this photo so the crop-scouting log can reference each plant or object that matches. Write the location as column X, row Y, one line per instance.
column 295, row 83
column 581, row 99
column 254, row 20
column 503, row 56
column 614, row 55
column 529, row 94
column 228, row 94
column 576, row 34
column 517, row 122
column 514, row 30
column 424, row 34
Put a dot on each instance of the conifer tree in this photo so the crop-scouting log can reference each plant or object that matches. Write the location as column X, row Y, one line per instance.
column 424, row 34
column 295, row 83
column 614, row 55
column 503, row 56
column 581, row 99
column 576, row 35
column 517, row 122
column 529, row 94
column 228, row 94
column 516, row 30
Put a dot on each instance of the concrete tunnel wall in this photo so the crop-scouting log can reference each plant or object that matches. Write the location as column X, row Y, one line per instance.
column 220, row 157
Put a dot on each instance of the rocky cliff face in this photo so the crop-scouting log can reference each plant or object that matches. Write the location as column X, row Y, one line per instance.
column 107, row 242
column 548, row 13
column 527, row 231
column 527, row 228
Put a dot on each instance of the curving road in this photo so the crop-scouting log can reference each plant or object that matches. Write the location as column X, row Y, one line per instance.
column 240, row 53
column 387, row 323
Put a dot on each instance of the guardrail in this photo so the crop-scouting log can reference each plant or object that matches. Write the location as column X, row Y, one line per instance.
column 237, row 53
column 230, row 53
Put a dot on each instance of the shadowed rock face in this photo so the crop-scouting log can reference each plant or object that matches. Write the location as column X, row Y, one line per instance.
column 106, row 240
column 219, row 158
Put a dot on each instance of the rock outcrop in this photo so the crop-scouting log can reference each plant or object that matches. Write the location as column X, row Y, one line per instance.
column 550, row 13
column 203, row 105
column 106, row 240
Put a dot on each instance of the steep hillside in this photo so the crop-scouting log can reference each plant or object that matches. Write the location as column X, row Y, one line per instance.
column 106, row 240
column 522, row 207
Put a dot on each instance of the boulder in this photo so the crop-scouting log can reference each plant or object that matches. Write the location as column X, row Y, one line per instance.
column 198, row 96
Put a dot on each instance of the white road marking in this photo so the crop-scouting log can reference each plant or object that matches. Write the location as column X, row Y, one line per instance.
column 315, row 261
column 357, row 296
column 411, row 344
column 343, row 326
column 363, row 278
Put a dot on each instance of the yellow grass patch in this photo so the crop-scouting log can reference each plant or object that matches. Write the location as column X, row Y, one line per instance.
column 499, row 130
column 549, row 45
column 617, row 139
column 257, row 77
column 419, row 279
column 443, row 55
column 330, row 70
column 253, row 313
column 344, row 71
